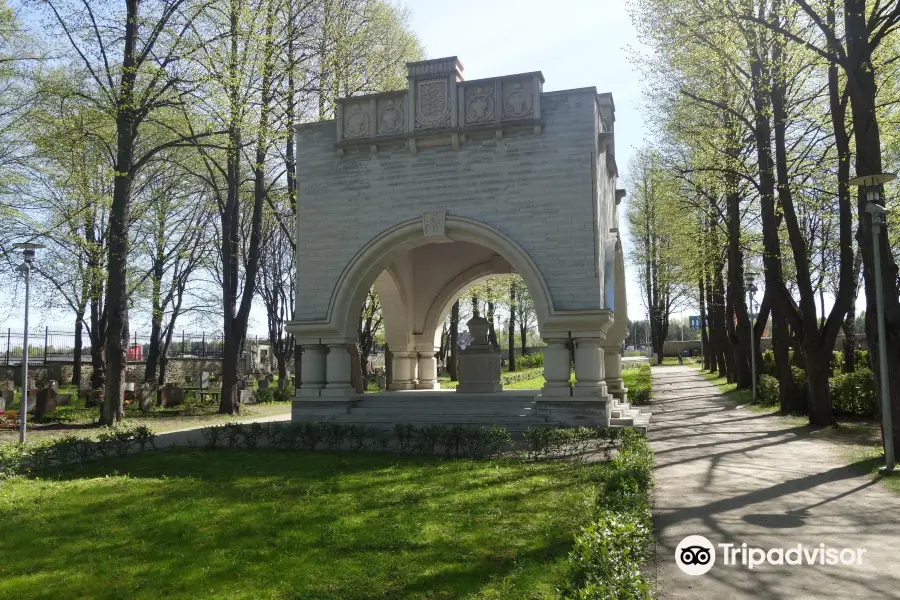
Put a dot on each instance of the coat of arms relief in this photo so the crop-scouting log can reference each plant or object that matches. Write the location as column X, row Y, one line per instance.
column 432, row 104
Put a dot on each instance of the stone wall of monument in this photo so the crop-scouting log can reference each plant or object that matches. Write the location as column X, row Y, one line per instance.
column 536, row 187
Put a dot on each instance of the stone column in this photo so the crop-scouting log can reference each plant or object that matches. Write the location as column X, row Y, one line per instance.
column 427, row 363
column 337, row 371
column 312, row 370
column 556, row 368
column 612, row 360
column 404, row 368
column 589, row 367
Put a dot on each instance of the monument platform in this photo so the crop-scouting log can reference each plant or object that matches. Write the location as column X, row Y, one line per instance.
column 515, row 410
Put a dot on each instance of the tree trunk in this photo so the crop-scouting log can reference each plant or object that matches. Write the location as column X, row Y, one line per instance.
column 861, row 84
column 119, row 217
column 452, row 362
column 492, row 332
column 788, row 396
column 512, row 327
column 740, row 331
column 76, row 358
column 850, row 340
column 704, row 339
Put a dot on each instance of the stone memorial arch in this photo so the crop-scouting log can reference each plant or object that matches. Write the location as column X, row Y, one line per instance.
column 424, row 191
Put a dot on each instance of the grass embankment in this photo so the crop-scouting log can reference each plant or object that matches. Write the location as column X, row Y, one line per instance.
column 270, row 524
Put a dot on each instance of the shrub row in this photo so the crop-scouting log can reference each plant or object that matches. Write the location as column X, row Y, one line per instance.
column 73, row 450
column 468, row 441
column 521, row 375
column 606, row 560
column 530, row 361
column 274, row 394
column 852, row 394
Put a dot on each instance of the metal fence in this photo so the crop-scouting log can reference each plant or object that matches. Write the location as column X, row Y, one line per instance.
column 46, row 345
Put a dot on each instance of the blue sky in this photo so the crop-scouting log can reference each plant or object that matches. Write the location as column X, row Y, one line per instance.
column 580, row 43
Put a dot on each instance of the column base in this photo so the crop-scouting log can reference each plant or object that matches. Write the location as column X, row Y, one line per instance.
column 338, row 392
column 556, row 391
column 403, row 385
column 428, row 385
column 590, row 390
column 305, row 392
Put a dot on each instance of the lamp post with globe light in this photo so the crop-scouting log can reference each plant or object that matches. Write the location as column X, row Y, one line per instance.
column 749, row 281
column 28, row 251
column 875, row 208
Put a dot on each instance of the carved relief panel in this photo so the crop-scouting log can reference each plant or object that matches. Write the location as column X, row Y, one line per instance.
column 432, row 103
column 356, row 120
column 391, row 116
column 479, row 104
column 518, row 99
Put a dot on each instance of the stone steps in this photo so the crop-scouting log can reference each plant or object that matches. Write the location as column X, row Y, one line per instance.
column 514, row 410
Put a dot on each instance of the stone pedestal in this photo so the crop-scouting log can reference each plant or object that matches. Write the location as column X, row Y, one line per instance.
column 479, row 363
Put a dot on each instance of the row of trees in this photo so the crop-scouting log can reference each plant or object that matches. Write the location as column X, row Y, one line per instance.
column 766, row 109
column 149, row 144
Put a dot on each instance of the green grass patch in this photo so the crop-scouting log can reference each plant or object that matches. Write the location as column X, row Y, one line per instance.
column 638, row 381
column 196, row 524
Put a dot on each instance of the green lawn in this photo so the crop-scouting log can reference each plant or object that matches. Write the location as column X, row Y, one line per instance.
column 198, row 524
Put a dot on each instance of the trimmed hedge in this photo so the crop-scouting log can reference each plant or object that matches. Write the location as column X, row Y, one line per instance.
column 72, row 450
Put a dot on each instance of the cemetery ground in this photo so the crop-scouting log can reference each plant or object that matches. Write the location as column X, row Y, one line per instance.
column 80, row 420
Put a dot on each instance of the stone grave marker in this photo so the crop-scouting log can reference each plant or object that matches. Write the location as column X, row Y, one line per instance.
column 171, row 396
column 46, row 401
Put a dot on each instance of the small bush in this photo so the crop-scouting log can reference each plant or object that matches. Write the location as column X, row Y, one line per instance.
column 265, row 396
column 854, row 393
column 768, row 391
column 405, row 433
column 530, row 361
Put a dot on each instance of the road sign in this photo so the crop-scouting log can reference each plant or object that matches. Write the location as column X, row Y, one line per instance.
column 694, row 322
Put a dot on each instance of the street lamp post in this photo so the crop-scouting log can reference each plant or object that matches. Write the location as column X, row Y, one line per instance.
column 25, row 269
column 874, row 207
column 749, row 279
column 647, row 333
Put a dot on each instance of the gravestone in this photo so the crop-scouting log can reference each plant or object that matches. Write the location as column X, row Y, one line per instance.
column 92, row 398
column 247, row 397
column 64, row 399
column 129, row 386
column 200, row 379
column 171, row 396
column 263, row 383
column 46, row 401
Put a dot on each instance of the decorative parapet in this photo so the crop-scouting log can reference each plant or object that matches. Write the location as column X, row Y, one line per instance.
column 439, row 103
